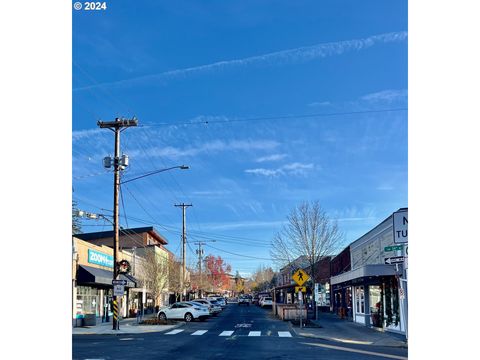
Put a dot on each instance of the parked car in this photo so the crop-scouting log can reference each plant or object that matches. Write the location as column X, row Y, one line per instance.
column 207, row 306
column 243, row 300
column 183, row 310
column 221, row 301
column 266, row 301
column 213, row 306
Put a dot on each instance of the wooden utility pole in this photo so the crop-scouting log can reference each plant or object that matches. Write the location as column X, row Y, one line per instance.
column 184, row 245
column 116, row 126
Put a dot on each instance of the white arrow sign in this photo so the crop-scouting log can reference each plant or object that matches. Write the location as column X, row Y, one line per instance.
column 394, row 260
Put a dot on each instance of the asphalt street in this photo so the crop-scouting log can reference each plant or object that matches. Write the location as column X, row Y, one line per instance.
column 239, row 332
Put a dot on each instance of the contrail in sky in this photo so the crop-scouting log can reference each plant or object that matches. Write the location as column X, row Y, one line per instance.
column 290, row 56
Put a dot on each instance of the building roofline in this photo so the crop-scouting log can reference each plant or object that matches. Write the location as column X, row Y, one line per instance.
column 105, row 234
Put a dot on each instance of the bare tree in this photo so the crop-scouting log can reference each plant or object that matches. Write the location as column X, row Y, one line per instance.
column 155, row 273
column 309, row 233
column 175, row 276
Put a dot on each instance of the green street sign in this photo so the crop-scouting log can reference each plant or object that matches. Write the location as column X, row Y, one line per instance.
column 393, row 248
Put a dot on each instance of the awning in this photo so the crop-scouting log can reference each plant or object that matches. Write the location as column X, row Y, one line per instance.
column 94, row 276
column 364, row 271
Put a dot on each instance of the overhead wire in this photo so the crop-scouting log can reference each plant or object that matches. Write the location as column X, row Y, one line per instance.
column 280, row 117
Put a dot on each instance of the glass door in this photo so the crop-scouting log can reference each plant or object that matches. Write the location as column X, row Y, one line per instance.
column 375, row 297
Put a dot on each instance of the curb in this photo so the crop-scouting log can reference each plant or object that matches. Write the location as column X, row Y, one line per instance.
column 120, row 333
column 309, row 335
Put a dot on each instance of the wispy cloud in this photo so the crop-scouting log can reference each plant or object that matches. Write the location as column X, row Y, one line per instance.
column 242, row 224
column 385, row 187
column 386, row 96
column 290, row 56
column 274, row 157
column 319, row 103
column 288, row 169
column 214, row 146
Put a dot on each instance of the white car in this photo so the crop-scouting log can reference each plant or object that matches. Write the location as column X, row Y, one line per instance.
column 266, row 301
column 183, row 310
column 218, row 299
column 214, row 307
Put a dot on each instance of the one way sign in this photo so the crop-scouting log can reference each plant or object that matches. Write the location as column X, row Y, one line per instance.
column 394, row 260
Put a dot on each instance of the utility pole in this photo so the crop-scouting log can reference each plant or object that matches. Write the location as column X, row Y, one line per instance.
column 200, row 254
column 116, row 126
column 184, row 245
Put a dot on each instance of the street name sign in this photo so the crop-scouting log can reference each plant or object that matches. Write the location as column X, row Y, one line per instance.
column 394, row 260
column 118, row 290
column 300, row 289
column 119, row 282
column 400, row 227
column 393, row 248
column 300, row 277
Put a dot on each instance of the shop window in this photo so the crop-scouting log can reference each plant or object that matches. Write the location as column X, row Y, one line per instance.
column 360, row 299
column 88, row 300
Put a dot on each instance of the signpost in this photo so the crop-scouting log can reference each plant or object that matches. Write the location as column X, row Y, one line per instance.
column 394, row 260
column 300, row 277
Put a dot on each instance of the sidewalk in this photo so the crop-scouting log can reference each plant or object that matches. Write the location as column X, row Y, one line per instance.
column 127, row 326
column 334, row 329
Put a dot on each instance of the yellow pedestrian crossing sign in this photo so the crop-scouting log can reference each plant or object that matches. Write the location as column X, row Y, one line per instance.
column 300, row 288
column 300, row 277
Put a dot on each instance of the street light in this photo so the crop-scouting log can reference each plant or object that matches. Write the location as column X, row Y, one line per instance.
column 181, row 167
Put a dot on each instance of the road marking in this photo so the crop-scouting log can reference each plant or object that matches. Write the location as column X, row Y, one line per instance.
column 284, row 334
column 358, row 351
column 199, row 332
column 173, row 332
column 125, row 339
column 226, row 333
column 245, row 325
column 254, row 333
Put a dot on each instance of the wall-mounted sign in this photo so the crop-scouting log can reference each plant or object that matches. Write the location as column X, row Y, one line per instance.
column 400, row 227
column 96, row 257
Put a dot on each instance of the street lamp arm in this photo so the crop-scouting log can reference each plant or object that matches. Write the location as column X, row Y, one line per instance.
column 182, row 167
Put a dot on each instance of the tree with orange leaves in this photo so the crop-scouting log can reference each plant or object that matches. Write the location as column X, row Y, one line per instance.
column 217, row 273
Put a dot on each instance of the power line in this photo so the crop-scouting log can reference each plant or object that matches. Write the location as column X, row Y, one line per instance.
column 280, row 117
column 228, row 252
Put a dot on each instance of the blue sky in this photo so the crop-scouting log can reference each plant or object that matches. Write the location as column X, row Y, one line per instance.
column 267, row 77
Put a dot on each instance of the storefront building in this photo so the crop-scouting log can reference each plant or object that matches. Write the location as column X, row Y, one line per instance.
column 92, row 275
column 371, row 289
column 341, row 303
column 135, row 244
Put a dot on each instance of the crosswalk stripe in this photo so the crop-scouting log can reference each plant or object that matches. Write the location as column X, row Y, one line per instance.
column 173, row 332
column 284, row 334
column 254, row 333
column 199, row 332
column 226, row 333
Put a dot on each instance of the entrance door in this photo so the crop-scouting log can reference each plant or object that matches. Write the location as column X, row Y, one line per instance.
column 376, row 308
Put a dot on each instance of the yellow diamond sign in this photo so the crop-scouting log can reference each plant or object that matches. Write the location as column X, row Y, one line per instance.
column 300, row 277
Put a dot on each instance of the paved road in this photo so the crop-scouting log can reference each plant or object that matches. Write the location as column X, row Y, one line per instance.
column 239, row 332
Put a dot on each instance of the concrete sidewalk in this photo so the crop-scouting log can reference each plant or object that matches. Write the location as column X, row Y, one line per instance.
column 127, row 326
column 335, row 329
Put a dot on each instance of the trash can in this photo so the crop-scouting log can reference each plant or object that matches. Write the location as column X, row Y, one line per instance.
column 79, row 321
column 89, row 320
